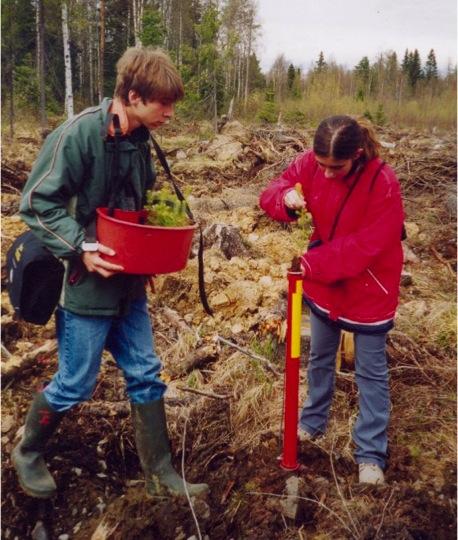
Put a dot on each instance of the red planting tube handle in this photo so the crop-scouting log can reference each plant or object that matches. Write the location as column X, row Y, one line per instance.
column 293, row 355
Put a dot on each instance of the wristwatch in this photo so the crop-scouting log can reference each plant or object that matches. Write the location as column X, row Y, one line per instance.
column 90, row 246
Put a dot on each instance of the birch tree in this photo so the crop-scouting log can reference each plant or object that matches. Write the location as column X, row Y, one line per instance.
column 9, row 38
column 393, row 74
column 208, row 32
column 40, row 61
column 90, row 49
column 137, row 16
column 250, row 29
column 101, row 44
column 67, row 62
column 278, row 75
column 238, row 36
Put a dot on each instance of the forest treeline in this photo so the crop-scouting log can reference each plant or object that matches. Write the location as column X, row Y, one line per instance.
column 59, row 56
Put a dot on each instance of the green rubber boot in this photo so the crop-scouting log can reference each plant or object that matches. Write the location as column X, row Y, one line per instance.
column 27, row 456
column 153, row 447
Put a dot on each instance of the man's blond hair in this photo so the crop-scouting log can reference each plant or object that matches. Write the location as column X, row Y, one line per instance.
column 151, row 73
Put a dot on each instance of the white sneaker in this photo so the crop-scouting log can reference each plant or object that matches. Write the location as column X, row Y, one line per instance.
column 369, row 473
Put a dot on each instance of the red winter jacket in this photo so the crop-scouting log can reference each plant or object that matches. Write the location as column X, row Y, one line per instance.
column 353, row 274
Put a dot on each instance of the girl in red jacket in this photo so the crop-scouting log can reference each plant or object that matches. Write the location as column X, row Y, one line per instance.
column 351, row 271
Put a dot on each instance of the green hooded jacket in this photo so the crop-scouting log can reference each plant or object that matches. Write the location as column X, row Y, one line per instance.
column 70, row 178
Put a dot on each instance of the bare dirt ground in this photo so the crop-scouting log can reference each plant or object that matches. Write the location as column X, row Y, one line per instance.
column 230, row 436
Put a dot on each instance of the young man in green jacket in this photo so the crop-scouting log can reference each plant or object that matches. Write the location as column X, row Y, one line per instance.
column 101, row 307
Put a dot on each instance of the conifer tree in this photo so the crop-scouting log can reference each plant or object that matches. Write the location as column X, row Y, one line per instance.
column 210, row 69
column 257, row 78
column 406, row 62
column 392, row 66
column 431, row 66
column 297, row 90
column 291, row 76
column 153, row 30
column 414, row 69
column 17, row 47
column 321, row 65
column 364, row 77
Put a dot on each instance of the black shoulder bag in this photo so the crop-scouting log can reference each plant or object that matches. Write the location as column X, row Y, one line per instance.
column 34, row 279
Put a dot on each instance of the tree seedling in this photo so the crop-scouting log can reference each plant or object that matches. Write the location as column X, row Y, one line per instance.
column 303, row 219
column 165, row 209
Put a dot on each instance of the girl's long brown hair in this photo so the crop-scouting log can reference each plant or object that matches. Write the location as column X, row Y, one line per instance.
column 340, row 137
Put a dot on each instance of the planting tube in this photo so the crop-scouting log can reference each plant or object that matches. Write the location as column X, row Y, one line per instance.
column 293, row 355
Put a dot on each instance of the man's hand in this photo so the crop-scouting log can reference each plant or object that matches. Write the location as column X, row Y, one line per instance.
column 94, row 262
column 294, row 200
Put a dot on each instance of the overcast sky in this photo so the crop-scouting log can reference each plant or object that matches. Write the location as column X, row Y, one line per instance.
column 347, row 30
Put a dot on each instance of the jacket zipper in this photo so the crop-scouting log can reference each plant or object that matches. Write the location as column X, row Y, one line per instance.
column 377, row 281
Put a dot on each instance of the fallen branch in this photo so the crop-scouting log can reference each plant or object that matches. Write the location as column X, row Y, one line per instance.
column 13, row 176
column 6, row 352
column 105, row 408
column 201, row 392
column 268, row 167
column 194, row 360
column 442, row 260
column 263, row 360
column 14, row 365
column 178, row 322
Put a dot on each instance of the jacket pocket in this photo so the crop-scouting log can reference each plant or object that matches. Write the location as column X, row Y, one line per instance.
column 377, row 281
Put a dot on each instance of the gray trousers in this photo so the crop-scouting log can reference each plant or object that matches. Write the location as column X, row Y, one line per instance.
column 370, row 429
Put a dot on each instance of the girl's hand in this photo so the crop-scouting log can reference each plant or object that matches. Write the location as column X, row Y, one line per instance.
column 94, row 262
column 294, row 200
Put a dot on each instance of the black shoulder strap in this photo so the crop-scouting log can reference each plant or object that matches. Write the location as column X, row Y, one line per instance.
column 200, row 254
column 91, row 234
column 161, row 156
column 115, row 177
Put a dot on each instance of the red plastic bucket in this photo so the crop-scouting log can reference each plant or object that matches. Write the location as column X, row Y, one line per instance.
column 143, row 249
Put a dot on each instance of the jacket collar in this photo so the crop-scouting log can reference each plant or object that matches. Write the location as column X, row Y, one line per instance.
column 140, row 134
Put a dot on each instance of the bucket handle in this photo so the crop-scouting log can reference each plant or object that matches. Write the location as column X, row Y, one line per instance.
column 200, row 253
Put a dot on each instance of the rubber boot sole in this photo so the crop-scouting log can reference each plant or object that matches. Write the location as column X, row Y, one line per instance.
column 31, row 492
column 155, row 488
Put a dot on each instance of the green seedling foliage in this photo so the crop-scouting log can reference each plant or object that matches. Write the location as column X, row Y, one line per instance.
column 268, row 347
column 305, row 226
column 165, row 209
column 192, row 381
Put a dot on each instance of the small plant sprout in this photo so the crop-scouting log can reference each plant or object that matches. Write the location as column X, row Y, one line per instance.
column 304, row 222
column 165, row 209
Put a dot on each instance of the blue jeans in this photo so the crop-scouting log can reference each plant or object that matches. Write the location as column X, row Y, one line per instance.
column 370, row 430
column 81, row 342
